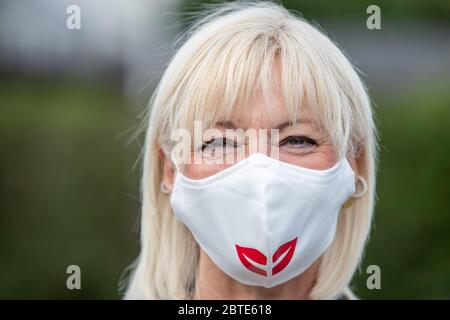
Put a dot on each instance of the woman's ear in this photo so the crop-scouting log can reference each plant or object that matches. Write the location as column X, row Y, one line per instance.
column 168, row 170
column 353, row 159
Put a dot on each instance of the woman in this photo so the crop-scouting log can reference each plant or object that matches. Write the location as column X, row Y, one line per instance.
column 288, row 220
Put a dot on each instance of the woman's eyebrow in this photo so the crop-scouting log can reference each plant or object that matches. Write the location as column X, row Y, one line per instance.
column 288, row 123
column 231, row 125
column 226, row 124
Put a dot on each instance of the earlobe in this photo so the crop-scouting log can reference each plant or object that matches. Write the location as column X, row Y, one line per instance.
column 357, row 194
column 164, row 188
column 362, row 181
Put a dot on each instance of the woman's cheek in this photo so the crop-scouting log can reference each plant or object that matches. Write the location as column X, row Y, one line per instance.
column 201, row 171
column 320, row 158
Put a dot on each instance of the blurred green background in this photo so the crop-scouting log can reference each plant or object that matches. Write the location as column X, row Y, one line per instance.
column 69, row 187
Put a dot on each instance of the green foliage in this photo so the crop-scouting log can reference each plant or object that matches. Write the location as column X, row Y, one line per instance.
column 67, row 189
column 411, row 239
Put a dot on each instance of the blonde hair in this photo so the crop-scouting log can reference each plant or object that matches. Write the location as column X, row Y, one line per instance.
column 225, row 55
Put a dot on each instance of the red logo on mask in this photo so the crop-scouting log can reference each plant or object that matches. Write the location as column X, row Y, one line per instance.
column 246, row 254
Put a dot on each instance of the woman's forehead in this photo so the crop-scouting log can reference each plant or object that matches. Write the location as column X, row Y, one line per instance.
column 263, row 111
column 260, row 115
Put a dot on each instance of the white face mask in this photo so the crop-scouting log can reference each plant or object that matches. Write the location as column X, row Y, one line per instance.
column 263, row 221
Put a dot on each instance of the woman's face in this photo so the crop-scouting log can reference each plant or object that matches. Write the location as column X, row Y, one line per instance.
column 302, row 143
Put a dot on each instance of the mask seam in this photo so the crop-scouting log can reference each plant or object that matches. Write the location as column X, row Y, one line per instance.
column 269, row 252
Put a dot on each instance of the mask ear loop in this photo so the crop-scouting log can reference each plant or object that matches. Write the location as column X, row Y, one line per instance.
column 350, row 200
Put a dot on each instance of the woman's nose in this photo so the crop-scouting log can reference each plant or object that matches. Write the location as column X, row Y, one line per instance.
column 264, row 143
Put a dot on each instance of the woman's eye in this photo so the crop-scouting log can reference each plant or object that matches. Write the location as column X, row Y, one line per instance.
column 218, row 143
column 298, row 142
